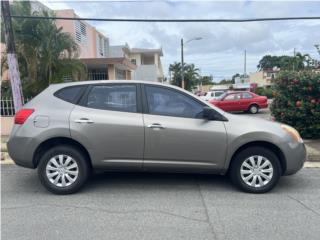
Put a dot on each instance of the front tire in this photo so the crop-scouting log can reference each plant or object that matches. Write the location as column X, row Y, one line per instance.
column 255, row 170
column 63, row 169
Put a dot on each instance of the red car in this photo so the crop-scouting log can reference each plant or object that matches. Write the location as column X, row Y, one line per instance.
column 241, row 101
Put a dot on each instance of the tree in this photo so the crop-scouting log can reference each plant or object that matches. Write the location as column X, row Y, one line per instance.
column 297, row 62
column 191, row 74
column 297, row 101
column 45, row 53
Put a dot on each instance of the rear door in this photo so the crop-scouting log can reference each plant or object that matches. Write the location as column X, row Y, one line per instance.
column 246, row 100
column 109, row 123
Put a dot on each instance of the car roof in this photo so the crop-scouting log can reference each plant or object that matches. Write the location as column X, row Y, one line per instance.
column 57, row 86
column 240, row 92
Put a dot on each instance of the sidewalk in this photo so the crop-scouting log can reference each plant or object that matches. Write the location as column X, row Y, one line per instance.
column 312, row 146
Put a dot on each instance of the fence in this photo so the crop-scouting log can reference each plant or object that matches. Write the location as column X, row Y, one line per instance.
column 97, row 76
column 7, row 106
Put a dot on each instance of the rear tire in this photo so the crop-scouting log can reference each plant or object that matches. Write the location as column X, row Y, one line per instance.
column 254, row 109
column 255, row 170
column 63, row 169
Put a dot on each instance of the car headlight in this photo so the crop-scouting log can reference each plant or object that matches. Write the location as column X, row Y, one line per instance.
column 292, row 132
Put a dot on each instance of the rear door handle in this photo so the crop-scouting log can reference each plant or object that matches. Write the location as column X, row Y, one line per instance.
column 156, row 126
column 83, row 120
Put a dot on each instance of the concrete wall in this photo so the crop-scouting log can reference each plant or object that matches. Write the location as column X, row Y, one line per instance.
column 6, row 125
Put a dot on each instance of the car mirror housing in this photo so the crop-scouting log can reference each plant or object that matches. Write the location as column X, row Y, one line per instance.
column 213, row 115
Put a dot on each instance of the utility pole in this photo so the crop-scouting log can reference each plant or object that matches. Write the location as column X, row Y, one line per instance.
column 11, row 57
column 245, row 63
column 182, row 65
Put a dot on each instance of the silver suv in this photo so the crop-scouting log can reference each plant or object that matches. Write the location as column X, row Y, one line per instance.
column 72, row 128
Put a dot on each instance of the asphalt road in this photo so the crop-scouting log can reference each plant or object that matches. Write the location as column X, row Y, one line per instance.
column 159, row 206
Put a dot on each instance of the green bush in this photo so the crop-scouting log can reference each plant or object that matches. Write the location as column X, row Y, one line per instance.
column 297, row 101
column 267, row 91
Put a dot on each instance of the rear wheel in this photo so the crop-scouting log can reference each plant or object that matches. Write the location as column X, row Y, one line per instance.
column 63, row 169
column 254, row 109
column 255, row 170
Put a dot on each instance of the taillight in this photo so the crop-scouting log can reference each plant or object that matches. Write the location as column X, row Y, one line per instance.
column 22, row 116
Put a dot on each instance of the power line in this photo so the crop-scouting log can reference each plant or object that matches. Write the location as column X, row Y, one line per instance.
column 169, row 20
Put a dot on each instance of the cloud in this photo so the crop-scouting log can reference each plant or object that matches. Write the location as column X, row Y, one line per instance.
column 220, row 52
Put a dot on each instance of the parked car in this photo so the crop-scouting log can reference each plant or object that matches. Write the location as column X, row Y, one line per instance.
column 240, row 101
column 72, row 128
column 212, row 95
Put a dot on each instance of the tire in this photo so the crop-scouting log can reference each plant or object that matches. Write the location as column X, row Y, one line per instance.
column 72, row 173
column 239, row 170
column 254, row 109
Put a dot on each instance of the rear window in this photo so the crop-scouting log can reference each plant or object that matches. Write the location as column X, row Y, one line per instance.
column 70, row 94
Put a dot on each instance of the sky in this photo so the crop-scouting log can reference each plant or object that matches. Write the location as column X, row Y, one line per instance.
column 220, row 52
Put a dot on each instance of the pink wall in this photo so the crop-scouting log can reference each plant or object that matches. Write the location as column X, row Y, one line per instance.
column 88, row 48
column 6, row 125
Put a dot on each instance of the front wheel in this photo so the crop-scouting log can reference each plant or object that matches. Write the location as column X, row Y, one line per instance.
column 255, row 170
column 63, row 169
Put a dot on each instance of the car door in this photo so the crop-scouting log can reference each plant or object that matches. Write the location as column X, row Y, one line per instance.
column 246, row 100
column 176, row 135
column 109, row 123
column 231, row 102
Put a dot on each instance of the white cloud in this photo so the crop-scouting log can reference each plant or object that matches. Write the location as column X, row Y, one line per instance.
column 220, row 52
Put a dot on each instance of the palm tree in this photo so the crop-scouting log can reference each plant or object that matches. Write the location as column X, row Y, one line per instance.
column 45, row 53
column 191, row 74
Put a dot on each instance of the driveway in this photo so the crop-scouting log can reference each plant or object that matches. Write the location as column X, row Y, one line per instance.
column 159, row 206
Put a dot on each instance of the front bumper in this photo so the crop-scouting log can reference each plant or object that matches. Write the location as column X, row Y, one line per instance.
column 295, row 155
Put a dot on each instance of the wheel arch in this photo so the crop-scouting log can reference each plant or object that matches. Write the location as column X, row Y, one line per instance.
column 52, row 142
column 270, row 146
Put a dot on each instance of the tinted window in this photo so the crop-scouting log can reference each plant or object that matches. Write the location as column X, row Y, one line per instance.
column 232, row 97
column 163, row 101
column 70, row 94
column 219, row 94
column 113, row 97
column 246, row 95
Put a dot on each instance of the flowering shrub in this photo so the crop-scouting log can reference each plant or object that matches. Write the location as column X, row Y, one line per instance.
column 297, row 101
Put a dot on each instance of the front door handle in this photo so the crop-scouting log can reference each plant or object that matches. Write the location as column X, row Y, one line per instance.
column 156, row 126
column 83, row 120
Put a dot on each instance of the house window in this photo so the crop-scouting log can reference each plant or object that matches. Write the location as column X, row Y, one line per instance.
column 101, row 46
column 81, row 32
column 134, row 61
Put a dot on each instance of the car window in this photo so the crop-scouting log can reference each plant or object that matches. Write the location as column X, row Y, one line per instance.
column 70, row 94
column 218, row 94
column 246, row 95
column 167, row 102
column 113, row 97
column 233, row 96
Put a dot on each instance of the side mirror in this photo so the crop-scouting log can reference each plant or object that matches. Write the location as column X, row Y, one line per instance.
column 211, row 114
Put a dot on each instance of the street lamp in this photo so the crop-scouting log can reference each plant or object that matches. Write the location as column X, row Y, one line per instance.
column 182, row 63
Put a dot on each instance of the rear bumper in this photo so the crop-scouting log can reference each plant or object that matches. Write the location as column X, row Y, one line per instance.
column 21, row 151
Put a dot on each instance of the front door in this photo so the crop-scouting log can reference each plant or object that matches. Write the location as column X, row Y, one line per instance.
column 231, row 102
column 110, row 125
column 176, row 135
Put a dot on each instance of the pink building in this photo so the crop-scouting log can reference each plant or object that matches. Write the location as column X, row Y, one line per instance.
column 95, row 50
